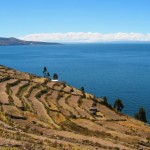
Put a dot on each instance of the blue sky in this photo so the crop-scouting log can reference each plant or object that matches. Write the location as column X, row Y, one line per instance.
column 29, row 19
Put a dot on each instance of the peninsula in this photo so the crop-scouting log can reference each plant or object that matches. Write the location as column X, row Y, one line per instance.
column 14, row 41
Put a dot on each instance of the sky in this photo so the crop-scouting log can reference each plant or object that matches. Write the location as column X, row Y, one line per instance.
column 75, row 20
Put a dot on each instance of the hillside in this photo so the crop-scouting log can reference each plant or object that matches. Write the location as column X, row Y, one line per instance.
column 13, row 41
column 39, row 114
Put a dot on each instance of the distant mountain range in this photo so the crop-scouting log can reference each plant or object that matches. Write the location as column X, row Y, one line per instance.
column 14, row 41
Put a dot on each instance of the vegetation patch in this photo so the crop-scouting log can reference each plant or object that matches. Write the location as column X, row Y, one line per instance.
column 21, row 89
column 31, row 89
column 40, row 93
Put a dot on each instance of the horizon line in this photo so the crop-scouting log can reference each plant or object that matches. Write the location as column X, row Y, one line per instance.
column 87, row 37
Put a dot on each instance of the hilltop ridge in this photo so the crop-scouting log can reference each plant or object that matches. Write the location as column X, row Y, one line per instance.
column 37, row 113
column 14, row 41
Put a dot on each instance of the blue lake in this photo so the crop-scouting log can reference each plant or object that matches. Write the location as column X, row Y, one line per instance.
column 112, row 70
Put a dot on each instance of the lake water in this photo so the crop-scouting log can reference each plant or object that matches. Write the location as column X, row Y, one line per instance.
column 112, row 70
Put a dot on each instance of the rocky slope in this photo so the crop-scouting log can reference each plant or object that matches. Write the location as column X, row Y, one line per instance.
column 40, row 114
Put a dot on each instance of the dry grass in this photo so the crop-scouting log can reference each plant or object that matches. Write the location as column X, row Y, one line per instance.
column 55, row 116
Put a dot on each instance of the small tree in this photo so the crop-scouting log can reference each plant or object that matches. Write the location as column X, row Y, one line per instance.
column 105, row 100
column 45, row 72
column 141, row 115
column 55, row 76
column 83, row 92
column 48, row 75
column 82, row 89
column 118, row 105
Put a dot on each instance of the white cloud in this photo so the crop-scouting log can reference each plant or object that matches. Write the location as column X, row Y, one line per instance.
column 86, row 37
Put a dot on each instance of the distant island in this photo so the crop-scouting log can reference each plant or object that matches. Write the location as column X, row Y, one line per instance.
column 14, row 41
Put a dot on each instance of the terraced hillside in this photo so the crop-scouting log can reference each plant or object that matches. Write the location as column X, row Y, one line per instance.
column 39, row 114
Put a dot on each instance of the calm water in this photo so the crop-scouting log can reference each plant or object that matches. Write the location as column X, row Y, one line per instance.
column 112, row 70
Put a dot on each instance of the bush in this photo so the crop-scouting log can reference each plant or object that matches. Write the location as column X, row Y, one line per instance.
column 118, row 105
column 141, row 115
column 106, row 102
column 55, row 76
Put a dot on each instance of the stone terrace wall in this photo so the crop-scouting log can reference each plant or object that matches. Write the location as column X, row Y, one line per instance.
column 4, row 78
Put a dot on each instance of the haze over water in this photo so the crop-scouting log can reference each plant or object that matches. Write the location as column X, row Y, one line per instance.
column 112, row 70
